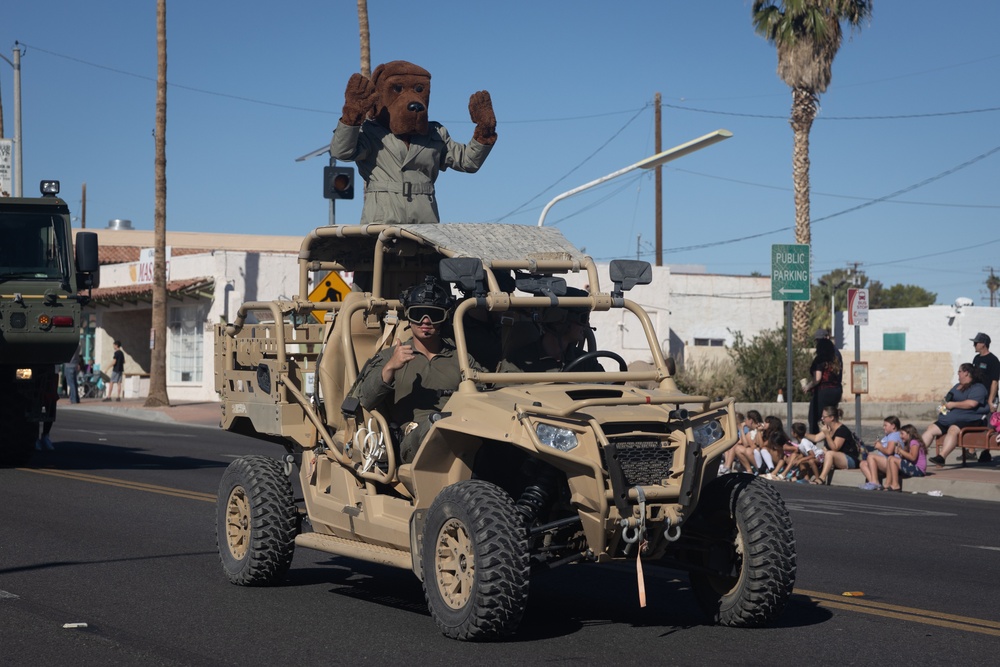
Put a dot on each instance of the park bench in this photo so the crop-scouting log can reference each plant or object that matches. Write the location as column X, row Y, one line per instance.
column 971, row 438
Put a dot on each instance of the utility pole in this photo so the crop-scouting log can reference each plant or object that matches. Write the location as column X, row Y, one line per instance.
column 16, row 64
column 659, row 181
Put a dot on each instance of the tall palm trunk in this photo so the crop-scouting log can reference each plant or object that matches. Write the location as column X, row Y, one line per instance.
column 158, row 357
column 804, row 106
column 365, row 35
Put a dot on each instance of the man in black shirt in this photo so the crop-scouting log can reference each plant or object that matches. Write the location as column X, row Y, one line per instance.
column 988, row 367
column 987, row 364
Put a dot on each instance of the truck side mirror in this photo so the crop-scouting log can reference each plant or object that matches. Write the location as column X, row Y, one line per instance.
column 86, row 252
column 88, row 266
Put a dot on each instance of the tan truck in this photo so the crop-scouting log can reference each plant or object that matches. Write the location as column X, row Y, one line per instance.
column 518, row 473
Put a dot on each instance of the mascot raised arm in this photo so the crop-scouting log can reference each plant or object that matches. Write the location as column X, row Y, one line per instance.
column 385, row 130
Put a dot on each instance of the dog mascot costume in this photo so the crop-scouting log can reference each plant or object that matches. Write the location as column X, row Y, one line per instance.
column 399, row 153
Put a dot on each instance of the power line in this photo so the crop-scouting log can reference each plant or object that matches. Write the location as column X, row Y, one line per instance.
column 821, row 117
column 830, row 194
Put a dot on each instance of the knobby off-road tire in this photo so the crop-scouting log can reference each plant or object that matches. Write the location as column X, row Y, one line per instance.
column 746, row 518
column 256, row 521
column 475, row 562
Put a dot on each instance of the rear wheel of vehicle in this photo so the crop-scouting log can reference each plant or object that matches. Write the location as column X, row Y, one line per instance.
column 746, row 525
column 255, row 521
column 475, row 562
column 18, row 443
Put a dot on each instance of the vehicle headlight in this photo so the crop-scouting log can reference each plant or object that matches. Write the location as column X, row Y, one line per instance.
column 562, row 439
column 706, row 434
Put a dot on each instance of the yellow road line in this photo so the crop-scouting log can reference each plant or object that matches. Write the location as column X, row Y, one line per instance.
column 124, row 484
column 910, row 614
column 827, row 600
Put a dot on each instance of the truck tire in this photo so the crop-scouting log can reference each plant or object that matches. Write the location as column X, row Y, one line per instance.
column 475, row 562
column 18, row 444
column 747, row 526
column 256, row 521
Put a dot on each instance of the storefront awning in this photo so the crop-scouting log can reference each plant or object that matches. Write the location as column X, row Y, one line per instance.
column 190, row 288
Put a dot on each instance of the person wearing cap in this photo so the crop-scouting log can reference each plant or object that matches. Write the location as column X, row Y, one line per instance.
column 412, row 380
column 988, row 365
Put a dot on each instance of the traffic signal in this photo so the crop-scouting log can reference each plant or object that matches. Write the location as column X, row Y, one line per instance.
column 338, row 182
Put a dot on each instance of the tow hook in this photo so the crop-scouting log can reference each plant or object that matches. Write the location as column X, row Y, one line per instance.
column 637, row 526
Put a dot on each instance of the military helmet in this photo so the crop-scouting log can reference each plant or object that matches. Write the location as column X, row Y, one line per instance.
column 429, row 299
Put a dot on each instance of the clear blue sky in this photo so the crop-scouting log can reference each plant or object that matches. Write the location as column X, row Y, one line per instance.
column 253, row 85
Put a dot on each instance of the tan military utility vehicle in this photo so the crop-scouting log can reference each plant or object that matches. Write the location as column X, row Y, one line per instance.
column 519, row 471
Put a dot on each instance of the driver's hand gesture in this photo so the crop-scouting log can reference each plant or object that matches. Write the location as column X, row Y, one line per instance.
column 401, row 355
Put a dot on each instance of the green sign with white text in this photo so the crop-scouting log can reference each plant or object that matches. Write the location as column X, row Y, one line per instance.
column 789, row 273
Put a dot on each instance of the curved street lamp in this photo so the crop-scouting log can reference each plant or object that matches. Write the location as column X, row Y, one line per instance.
column 648, row 163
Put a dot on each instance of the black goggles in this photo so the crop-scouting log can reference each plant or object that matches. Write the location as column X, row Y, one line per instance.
column 436, row 314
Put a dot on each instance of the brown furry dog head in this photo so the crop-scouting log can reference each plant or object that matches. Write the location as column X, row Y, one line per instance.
column 404, row 93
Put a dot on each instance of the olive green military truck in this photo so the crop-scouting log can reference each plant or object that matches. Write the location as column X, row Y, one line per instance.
column 40, row 307
column 519, row 472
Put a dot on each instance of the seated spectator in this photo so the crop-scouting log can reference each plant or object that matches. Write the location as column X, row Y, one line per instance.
column 910, row 460
column 810, row 461
column 750, row 442
column 787, row 466
column 842, row 449
column 743, row 427
column 875, row 466
column 772, row 449
column 965, row 405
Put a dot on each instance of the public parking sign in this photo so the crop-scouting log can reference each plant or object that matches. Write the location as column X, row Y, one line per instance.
column 789, row 272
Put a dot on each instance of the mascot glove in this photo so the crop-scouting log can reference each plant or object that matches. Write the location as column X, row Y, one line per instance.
column 481, row 112
column 360, row 99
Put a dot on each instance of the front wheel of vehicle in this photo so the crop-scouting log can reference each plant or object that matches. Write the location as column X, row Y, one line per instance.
column 747, row 530
column 256, row 521
column 475, row 562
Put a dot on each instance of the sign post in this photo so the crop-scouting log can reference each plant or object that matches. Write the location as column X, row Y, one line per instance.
column 857, row 316
column 790, row 281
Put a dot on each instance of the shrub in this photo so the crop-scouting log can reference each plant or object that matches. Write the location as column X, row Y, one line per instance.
column 762, row 365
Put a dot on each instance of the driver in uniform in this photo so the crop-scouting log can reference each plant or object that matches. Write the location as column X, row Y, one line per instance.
column 563, row 334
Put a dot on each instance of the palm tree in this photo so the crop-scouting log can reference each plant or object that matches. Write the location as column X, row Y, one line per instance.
column 366, row 55
column 807, row 36
column 993, row 285
column 158, row 357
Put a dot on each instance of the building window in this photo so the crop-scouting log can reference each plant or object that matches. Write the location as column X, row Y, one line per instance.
column 894, row 341
column 709, row 342
column 186, row 340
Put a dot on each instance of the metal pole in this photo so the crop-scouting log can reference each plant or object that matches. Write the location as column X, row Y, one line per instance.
column 18, row 190
column 857, row 397
column 788, row 366
column 658, row 147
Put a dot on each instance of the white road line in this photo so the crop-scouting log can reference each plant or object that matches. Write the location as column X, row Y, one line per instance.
column 8, row 596
column 980, row 546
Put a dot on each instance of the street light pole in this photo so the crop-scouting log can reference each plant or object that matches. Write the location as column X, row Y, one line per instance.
column 648, row 163
column 16, row 64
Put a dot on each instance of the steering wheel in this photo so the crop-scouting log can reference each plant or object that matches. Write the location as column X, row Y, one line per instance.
column 596, row 354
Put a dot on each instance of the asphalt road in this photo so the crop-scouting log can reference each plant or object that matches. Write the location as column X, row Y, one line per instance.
column 116, row 530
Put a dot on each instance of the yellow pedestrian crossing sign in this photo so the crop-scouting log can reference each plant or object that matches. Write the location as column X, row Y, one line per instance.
column 329, row 289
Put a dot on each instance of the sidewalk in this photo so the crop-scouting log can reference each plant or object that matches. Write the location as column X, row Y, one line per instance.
column 977, row 481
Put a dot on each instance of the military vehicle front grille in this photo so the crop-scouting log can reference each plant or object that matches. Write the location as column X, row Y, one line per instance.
column 18, row 321
column 644, row 461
